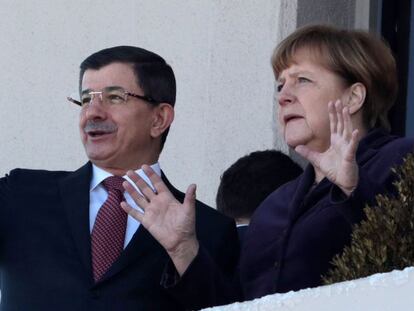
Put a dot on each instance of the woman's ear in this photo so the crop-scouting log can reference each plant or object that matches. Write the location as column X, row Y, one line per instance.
column 163, row 117
column 357, row 93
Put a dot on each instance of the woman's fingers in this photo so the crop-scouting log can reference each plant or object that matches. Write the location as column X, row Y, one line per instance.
column 348, row 128
column 332, row 117
column 340, row 120
column 353, row 145
column 339, row 117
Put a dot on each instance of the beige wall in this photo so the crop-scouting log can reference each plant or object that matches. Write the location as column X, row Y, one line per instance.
column 219, row 49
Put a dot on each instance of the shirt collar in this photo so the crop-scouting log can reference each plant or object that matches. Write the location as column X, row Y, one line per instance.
column 99, row 175
column 242, row 225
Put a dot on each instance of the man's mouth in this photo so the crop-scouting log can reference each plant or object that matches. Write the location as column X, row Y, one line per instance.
column 95, row 134
column 96, row 129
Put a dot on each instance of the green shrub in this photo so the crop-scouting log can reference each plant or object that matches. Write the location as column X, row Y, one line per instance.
column 385, row 240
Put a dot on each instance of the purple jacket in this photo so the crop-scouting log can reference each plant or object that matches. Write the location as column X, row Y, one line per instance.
column 295, row 232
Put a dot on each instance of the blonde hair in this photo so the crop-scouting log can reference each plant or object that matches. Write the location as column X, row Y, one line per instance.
column 355, row 56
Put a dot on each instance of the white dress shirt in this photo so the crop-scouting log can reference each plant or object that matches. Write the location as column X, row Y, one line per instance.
column 98, row 195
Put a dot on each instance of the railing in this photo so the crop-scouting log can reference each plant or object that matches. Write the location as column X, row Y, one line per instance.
column 386, row 291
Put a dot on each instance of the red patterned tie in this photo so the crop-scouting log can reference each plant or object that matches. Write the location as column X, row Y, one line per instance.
column 108, row 233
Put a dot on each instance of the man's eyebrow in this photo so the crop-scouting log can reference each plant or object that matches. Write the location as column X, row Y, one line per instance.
column 108, row 88
column 86, row 91
column 113, row 88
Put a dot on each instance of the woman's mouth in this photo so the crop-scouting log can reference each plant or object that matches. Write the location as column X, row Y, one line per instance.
column 291, row 117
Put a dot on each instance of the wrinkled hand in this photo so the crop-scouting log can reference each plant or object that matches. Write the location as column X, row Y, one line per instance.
column 338, row 163
column 171, row 223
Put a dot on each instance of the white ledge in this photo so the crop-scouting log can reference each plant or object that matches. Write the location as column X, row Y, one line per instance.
column 379, row 292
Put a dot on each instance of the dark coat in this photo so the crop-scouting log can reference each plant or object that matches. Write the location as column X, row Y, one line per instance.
column 45, row 249
column 296, row 231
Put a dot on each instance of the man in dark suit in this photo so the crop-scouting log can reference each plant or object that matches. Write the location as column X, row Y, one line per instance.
column 65, row 243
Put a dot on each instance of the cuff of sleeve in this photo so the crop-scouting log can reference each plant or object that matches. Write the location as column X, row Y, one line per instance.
column 171, row 278
column 191, row 289
column 352, row 206
column 338, row 196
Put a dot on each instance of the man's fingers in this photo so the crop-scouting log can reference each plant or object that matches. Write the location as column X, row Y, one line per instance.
column 135, row 195
column 190, row 196
column 156, row 180
column 138, row 215
column 147, row 191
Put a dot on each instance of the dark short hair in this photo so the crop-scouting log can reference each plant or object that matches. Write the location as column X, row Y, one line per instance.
column 153, row 75
column 247, row 182
column 355, row 56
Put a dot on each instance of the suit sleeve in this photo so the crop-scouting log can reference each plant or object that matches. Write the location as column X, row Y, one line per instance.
column 208, row 281
column 4, row 197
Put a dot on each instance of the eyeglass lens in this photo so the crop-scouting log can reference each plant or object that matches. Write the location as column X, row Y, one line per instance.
column 108, row 96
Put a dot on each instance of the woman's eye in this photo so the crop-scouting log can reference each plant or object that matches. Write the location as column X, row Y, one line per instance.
column 279, row 87
column 303, row 80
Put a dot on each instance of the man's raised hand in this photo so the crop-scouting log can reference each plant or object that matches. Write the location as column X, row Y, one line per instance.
column 170, row 222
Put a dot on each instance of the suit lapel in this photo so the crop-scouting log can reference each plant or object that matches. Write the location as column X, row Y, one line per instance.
column 141, row 247
column 74, row 190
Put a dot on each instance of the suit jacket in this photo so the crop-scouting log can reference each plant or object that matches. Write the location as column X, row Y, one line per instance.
column 296, row 231
column 45, row 249
column 241, row 231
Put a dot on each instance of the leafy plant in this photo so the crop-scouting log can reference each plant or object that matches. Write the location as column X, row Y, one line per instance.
column 385, row 240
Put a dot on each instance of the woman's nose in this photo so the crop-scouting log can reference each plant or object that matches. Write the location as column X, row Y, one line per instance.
column 285, row 95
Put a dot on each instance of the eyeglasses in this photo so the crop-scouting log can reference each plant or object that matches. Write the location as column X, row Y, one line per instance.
column 109, row 96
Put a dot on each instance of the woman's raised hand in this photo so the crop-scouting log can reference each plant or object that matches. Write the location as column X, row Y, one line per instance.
column 338, row 162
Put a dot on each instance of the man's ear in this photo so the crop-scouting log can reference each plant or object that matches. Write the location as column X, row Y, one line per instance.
column 163, row 117
column 357, row 93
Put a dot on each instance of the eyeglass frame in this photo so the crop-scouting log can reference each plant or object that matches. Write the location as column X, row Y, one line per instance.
column 142, row 97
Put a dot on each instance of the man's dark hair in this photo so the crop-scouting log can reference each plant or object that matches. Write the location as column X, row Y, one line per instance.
column 153, row 75
column 247, row 182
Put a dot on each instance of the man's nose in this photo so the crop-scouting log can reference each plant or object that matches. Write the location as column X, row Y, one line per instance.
column 97, row 97
column 95, row 109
